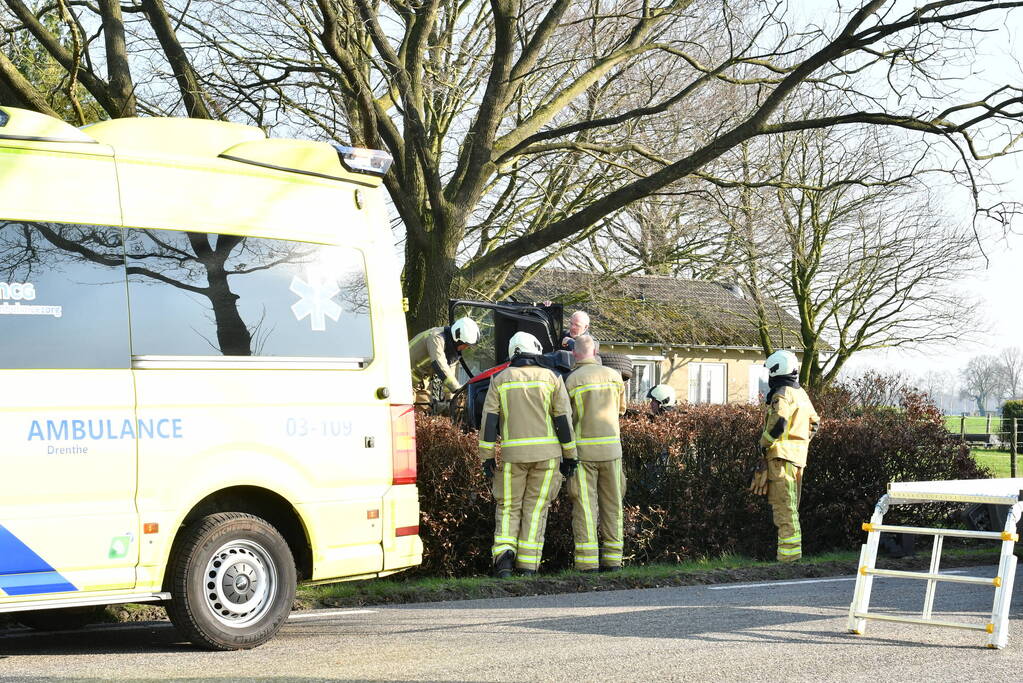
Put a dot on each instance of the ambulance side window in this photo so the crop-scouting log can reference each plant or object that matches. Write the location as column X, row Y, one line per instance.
column 62, row 296
column 200, row 294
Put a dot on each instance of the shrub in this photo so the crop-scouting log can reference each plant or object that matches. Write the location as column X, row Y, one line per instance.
column 456, row 507
column 1013, row 409
column 688, row 474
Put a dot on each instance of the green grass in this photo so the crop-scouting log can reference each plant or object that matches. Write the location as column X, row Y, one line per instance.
column 996, row 461
column 387, row 590
column 974, row 425
column 727, row 568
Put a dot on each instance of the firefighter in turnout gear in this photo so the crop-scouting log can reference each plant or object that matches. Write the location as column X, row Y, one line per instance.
column 791, row 423
column 597, row 394
column 662, row 399
column 526, row 405
column 436, row 352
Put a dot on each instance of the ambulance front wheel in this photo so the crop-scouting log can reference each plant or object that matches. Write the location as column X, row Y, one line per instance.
column 232, row 581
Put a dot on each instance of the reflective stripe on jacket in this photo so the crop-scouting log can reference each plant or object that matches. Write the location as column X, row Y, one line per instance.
column 792, row 405
column 597, row 394
column 426, row 349
column 526, row 401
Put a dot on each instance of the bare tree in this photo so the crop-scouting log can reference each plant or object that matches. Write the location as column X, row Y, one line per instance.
column 942, row 387
column 479, row 101
column 983, row 381
column 1011, row 359
column 654, row 236
column 842, row 233
column 141, row 66
column 517, row 128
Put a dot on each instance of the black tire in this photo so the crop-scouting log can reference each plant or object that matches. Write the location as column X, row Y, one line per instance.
column 232, row 581
column 60, row 619
column 619, row 362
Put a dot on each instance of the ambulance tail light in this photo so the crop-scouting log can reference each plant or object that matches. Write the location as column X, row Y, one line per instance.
column 403, row 444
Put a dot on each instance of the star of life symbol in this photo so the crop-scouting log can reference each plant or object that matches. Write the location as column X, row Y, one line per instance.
column 316, row 299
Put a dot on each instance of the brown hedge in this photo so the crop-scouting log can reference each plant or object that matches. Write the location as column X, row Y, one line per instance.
column 688, row 474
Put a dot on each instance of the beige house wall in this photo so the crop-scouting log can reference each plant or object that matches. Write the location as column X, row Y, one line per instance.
column 675, row 366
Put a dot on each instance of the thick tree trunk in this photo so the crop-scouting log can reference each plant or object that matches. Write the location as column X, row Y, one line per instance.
column 429, row 274
column 122, row 89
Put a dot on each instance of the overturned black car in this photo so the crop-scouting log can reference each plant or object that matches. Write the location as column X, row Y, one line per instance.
column 498, row 322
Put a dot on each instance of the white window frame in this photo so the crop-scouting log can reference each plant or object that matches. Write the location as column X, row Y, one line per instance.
column 697, row 367
column 756, row 373
column 636, row 393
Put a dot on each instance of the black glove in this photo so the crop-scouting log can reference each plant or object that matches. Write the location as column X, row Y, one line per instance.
column 567, row 467
column 488, row 467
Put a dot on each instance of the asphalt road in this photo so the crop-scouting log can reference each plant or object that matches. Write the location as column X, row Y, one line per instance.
column 786, row 630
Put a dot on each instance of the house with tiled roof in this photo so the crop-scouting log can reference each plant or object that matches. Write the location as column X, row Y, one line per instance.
column 701, row 337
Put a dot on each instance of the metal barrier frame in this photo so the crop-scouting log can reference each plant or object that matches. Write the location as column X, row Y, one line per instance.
column 997, row 492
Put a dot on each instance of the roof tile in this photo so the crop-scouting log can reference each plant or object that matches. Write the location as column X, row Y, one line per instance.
column 653, row 309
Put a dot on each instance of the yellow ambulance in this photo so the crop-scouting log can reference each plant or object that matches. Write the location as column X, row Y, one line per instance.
column 205, row 375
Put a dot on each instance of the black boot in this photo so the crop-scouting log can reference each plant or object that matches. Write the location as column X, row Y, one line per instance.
column 610, row 569
column 527, row 572
column 503, row 564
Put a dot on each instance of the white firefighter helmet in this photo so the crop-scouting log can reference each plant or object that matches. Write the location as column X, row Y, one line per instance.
column 523, row 342
column 663, row 394
column 465, row 331
column 782, row 363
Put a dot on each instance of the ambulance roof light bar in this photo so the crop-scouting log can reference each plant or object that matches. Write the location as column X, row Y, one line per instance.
column 359, row 160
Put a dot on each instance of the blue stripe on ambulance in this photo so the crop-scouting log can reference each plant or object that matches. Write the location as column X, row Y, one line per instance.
column 23, row 572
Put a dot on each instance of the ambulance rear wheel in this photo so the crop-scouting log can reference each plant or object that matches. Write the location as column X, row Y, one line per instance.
column 232, row 582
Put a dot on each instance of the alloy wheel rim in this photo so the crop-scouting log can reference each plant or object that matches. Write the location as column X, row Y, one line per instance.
column 240, row 583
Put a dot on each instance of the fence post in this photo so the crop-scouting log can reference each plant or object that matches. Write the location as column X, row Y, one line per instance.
column 988, row 429
column 962, row 427
column 1013, row 448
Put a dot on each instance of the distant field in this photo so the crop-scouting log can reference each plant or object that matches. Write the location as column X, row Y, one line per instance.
column 974, row 425
column 996, row 461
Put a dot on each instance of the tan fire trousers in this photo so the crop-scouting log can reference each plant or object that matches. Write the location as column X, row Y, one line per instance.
column 524, row 491
column 596, row 491
column 784, row 487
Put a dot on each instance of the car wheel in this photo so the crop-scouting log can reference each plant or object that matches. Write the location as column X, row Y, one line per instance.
column 60, row 619
column 232, row 581
column 619, row 362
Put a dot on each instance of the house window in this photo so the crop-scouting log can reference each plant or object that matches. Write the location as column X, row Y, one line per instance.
column 644, row 376
column 707, row 383
column 758, row 387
